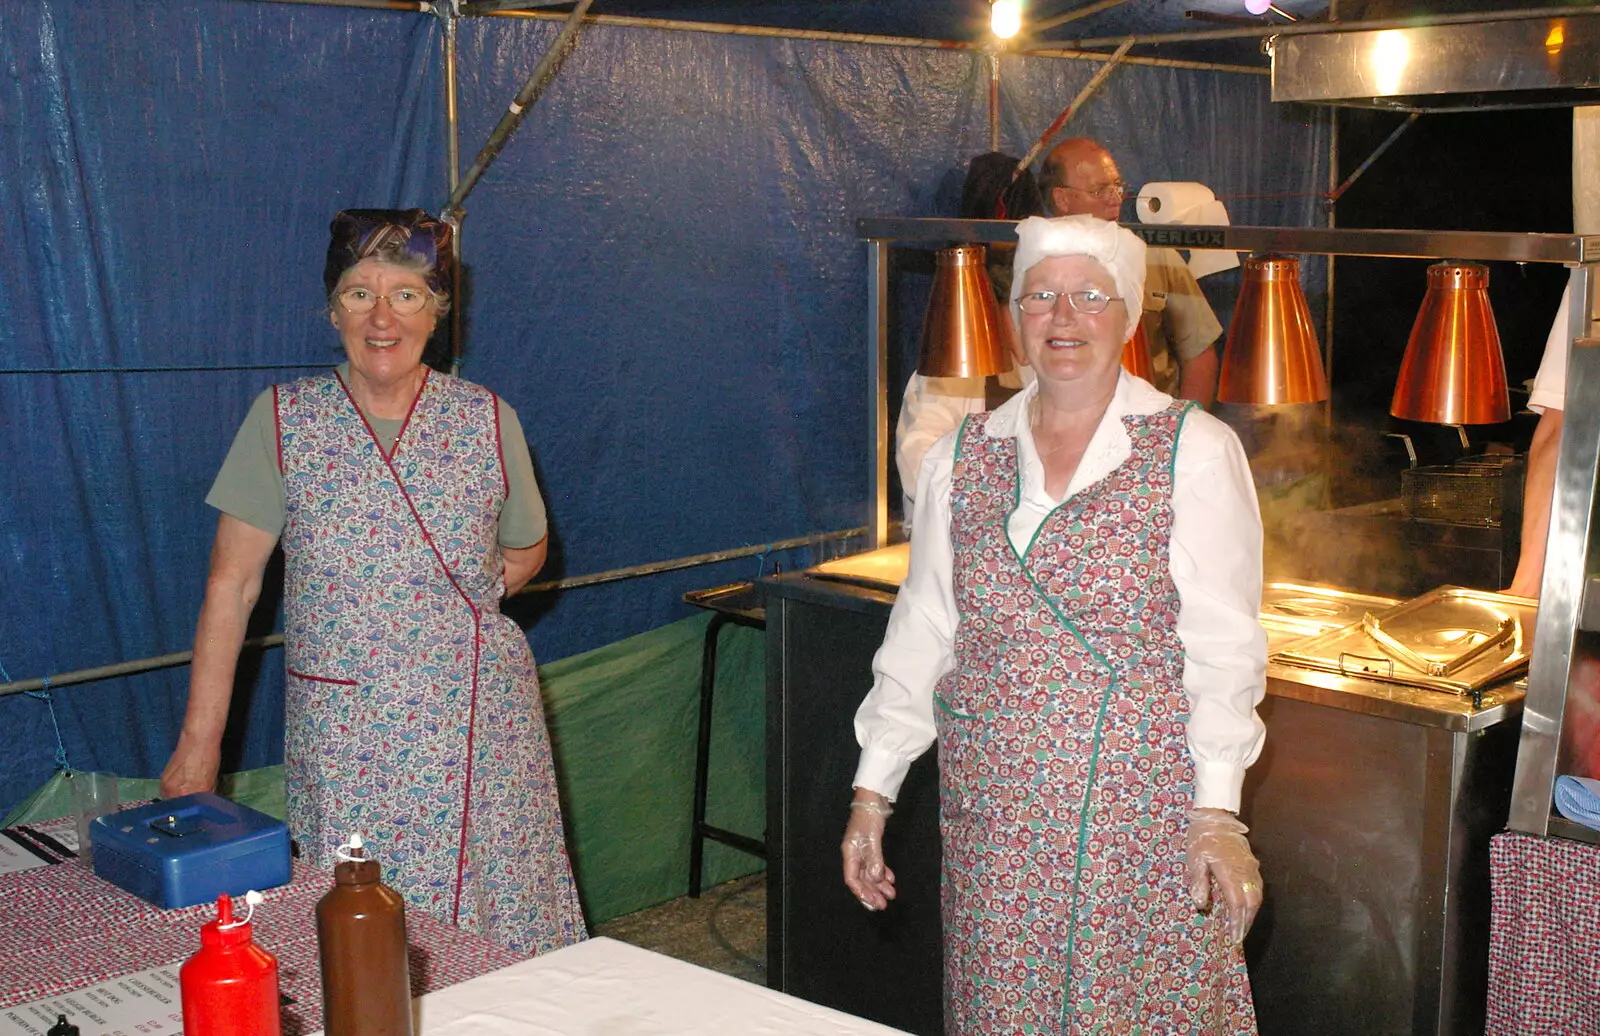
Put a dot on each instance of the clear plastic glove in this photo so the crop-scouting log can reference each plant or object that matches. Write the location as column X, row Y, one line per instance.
column 866, row 875
column 1219, row 858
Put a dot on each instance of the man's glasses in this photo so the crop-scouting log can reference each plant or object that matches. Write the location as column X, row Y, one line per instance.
column 1038, row 303
column 1106, row 192
column 404, row 302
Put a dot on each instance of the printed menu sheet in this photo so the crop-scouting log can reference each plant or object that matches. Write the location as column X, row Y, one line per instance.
column 146, row 1002
column 28, row 846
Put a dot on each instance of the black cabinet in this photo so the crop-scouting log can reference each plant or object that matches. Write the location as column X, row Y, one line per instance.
column 821, row 944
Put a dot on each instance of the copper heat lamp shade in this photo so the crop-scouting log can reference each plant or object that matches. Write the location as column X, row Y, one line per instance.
column 1272, row 354
column 1136, row 355
column 1453, row 371
column 964, row 334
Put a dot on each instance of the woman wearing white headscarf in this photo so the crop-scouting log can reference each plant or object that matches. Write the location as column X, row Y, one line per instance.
column 1078, row 632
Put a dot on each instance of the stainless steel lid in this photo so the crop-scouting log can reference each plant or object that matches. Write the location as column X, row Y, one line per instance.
column 1450, row 639
column 1291, row 612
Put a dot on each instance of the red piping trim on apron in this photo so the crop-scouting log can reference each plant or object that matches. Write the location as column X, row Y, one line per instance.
column 298, row 675
column 477, row 623
column 500, row 449
column 277, row 426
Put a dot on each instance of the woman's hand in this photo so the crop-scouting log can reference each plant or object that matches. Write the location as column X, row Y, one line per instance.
column 523, row 563
column 193, row 767
column 869, row 879
column 1220, row 856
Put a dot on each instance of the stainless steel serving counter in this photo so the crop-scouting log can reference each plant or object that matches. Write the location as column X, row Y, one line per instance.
column 1371, row 808
column 1394, row 701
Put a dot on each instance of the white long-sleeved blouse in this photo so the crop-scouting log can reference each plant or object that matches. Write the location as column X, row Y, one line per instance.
column 1216, row 566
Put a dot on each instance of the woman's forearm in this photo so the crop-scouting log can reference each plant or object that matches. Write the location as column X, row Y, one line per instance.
column 238, row 560
column 218, row 637
column 1539, row 487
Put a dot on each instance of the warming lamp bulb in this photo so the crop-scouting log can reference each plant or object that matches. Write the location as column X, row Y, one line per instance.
column 1005, row 18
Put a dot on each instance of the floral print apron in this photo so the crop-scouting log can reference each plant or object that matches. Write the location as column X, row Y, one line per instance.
column 1066, row 779
column 412, row 706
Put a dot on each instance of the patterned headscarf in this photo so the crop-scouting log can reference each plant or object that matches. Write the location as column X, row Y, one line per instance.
column 1117, row 249
column 357, row 234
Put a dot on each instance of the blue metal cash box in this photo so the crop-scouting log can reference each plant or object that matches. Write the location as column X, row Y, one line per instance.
column 190, row 850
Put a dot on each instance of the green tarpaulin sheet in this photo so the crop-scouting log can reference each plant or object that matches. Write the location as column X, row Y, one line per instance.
column 623, row 721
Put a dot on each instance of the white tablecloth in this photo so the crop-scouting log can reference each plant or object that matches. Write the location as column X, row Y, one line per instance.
column 607, row 988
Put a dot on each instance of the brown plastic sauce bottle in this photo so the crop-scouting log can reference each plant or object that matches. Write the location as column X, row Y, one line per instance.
column 361, row 940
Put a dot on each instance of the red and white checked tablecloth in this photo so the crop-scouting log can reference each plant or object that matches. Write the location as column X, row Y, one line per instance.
column 61, row 929
column 1544, row 942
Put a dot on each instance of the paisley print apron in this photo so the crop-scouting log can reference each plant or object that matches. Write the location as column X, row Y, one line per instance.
column 1066, row 779
column 412, row 706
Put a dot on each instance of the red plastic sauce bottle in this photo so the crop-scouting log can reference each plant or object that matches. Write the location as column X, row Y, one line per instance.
column 230, row 988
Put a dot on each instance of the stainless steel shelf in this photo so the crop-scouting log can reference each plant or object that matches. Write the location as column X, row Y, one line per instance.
column 1561, row 827
column 1407, row 244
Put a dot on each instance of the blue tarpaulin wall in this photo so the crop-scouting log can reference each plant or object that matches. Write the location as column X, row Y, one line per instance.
column 664, row 281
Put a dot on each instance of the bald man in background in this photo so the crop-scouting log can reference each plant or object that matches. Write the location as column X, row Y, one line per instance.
column 1079, row 177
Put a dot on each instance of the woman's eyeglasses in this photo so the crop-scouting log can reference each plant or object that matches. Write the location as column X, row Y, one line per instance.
column 1038, row 303
column 404, row 302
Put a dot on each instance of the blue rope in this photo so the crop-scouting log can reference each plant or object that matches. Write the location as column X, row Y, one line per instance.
column 43, row 694
column 761, row 562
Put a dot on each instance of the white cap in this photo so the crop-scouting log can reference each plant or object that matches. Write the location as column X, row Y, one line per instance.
column 1120, row 251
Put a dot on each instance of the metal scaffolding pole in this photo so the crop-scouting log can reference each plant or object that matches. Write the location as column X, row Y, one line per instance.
column 549, row 65
column 1088, row 91
column 1046, row 24
column 452, row 142
column 106, row 672
column 178, row 658
column 409, row 6
column 720, row 29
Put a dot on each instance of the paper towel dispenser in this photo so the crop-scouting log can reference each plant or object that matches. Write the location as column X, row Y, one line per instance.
column 1477, row 66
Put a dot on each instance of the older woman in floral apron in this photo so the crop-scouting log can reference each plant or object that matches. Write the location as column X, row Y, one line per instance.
column 407, row 508
column 1078, row 633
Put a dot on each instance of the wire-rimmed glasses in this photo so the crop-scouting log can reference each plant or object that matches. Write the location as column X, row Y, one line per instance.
column 404, row 302
column 1089, row 301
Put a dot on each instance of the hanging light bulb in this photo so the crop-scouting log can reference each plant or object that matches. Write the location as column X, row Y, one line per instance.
column 1005, row 18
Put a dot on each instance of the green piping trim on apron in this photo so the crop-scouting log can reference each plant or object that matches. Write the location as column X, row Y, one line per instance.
column 1183, row 415
column 1105, row 699
column 1099, row 722
column 961, row 436
column 945, row 708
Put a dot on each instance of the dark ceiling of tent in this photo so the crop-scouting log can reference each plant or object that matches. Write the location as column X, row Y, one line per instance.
column 967, row 21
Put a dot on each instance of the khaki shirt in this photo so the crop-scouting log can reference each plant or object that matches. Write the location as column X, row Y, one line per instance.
column 1177, row 321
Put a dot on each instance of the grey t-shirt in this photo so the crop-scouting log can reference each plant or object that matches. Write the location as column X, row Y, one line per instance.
column 250, row 486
